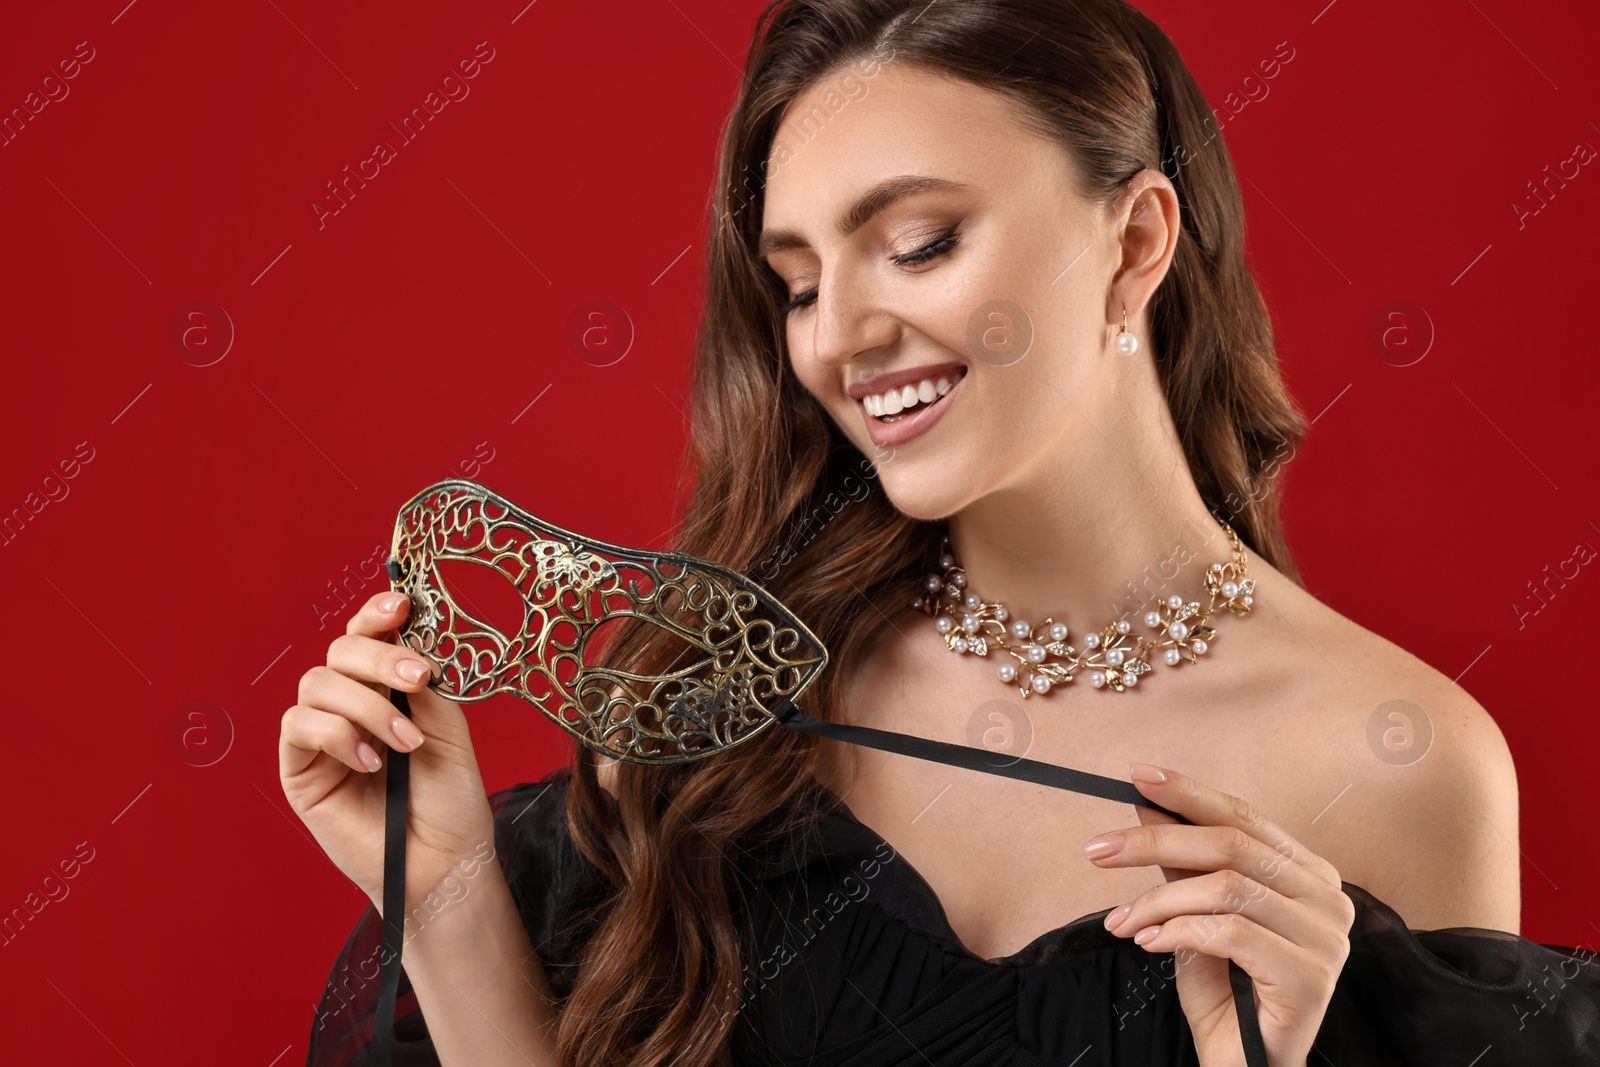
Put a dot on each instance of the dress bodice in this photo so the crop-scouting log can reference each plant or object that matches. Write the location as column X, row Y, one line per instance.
column 852, row 962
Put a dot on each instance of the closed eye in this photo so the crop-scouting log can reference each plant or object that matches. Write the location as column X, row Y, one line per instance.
column 938, row 247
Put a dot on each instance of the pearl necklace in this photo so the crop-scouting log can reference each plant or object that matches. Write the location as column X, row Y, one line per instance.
column 1113, row 657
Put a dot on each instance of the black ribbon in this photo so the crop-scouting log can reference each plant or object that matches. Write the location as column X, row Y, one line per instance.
column 396, row 791
column 973, row 759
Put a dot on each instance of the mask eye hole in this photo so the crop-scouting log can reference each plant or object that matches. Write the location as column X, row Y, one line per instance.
column 483, row 593
column 599, row 638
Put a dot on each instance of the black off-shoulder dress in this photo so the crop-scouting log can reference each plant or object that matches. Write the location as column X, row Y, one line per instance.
column 854, row 964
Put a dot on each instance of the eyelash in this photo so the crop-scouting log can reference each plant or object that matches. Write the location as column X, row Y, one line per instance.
column 938, row 247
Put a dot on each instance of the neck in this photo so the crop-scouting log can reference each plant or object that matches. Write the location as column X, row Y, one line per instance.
column 1104, row 523
column 1087, row 565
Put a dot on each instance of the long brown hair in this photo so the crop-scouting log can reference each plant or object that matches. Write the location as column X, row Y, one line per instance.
column 780, row 494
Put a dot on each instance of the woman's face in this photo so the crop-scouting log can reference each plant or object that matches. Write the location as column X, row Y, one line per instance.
column 989, row 276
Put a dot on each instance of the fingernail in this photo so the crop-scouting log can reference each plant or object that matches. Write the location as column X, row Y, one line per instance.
column 1146, row 934
column 1114, row 919
column 1103, row 846
column 390, row 603
column 368, row 758
column 406, row 732
column 1145, row 772
column 411, row 670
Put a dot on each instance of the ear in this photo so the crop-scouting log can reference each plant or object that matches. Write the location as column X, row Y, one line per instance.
column 1147, row 225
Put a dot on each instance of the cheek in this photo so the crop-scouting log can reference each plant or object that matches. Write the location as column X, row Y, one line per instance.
column 809, row 374
column 994, row 314
column 821, row 384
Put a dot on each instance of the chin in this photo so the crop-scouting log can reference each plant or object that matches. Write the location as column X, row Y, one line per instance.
column 926, row 496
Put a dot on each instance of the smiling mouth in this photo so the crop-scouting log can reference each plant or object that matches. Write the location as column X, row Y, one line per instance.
column 891, row 407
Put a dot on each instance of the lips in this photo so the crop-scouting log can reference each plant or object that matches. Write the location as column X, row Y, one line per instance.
column 918, row 420
column 909, row 376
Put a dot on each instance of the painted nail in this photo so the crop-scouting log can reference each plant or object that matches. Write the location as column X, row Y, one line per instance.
column 1106, row 845
column 1146, row 772
column 410, row 670
column 368, row 758
column 1115, row 917
column 406, row 732
column 1146, row 934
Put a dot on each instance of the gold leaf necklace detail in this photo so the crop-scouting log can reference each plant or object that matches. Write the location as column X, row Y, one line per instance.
column 1114, row 657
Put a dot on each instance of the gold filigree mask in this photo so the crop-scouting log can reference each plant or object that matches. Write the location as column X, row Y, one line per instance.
column 750, row 652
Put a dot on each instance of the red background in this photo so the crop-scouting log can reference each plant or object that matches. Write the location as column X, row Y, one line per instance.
column 231, row 514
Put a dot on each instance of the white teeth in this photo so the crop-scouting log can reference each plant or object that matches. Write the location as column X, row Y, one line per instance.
column 894, row 401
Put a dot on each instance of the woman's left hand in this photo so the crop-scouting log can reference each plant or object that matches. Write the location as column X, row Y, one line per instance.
column 1238, row 887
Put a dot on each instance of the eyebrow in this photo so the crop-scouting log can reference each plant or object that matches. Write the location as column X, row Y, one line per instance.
column 874, row 200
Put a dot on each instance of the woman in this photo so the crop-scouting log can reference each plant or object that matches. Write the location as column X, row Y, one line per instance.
column 982, row 254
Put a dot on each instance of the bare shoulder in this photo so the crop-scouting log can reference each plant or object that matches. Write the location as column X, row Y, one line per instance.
column 1425, row 813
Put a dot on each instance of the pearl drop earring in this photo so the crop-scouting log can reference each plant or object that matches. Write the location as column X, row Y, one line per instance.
column 1127, row 343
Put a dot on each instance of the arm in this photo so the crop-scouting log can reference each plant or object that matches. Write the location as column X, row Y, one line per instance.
column 481, row 987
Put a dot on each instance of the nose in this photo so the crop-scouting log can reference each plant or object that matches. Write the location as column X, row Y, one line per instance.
column 848, row 317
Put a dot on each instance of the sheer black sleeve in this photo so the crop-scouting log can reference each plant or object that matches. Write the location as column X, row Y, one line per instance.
column 550, row 882
column 1462, row 995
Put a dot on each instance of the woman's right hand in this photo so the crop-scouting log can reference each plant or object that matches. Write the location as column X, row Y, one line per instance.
column 333, row 772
